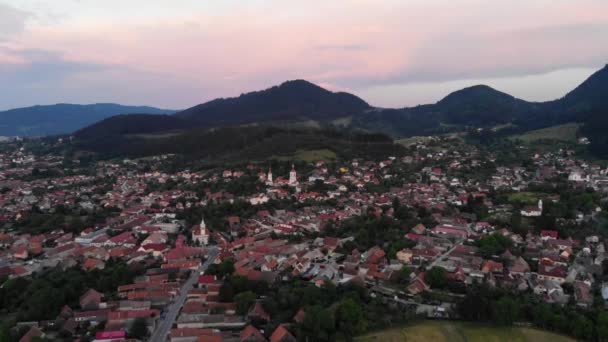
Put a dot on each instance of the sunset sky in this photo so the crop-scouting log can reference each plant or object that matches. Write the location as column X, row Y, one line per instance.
column 178, row 53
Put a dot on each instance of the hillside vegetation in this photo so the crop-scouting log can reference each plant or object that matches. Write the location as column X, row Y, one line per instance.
column 565, row 132
column 248, row 143
column 448, row 331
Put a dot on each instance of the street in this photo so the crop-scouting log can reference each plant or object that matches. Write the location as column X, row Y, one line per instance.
column 162, row 330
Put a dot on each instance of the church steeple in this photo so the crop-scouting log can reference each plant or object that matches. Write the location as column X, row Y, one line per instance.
column 293, row 177
column 269, row 180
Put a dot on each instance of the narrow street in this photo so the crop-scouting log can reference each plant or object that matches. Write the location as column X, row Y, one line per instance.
column 442, row 256
column 161, row 332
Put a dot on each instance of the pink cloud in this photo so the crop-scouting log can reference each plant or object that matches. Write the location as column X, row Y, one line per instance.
column 345, row 44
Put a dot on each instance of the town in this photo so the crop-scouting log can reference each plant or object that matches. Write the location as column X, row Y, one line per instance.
column 286, row 250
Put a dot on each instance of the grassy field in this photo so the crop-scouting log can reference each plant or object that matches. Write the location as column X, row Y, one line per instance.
column 344, row 122
column 566, row 132
column 448, row 331
column 310, row 155
column 526, row 197
column 412, row 141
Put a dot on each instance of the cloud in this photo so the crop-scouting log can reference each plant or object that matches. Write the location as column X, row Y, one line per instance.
column 344, row 47
column 12, row 21
column 203, row 51
column 29, row 66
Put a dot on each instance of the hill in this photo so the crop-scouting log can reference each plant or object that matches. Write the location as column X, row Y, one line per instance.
column 292, row 100
column 62, row 118
column 301, row 104
column 248, row 143
column 565, row 132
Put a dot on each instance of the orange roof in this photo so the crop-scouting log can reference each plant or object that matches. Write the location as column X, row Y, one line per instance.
column 280, row 333
column 249, row 332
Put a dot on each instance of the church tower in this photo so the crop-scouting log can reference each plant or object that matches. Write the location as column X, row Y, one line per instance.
column 293, row 178
column 200, row 234
column 269, row 180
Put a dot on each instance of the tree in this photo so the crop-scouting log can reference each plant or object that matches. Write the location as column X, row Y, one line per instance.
column 436, row 277
column 602, row 326
column 506, row 311
column 582, row 327
column 350, row 320
column 244, row 301
column 493, row 244
column 139, row 328
column 318, row 325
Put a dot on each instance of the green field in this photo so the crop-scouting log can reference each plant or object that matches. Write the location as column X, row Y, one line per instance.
column 344, row 122
column 441, row 331
column 310, row 155
column 566, row 132
column 412, row 141
column 526, row 197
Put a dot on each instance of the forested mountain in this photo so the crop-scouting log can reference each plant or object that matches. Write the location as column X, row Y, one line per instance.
column 63, row 118
column 294, row 101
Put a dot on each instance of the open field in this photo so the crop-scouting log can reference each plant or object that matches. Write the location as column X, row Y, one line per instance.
column 412, row 141
column 526, row 197
column 344, row 122
column 448, row 331
column 310, row 155
column 566, row 132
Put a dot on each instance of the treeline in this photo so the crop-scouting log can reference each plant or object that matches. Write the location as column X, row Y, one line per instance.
column 42, row 296
column 492, row 305
column 244, row 143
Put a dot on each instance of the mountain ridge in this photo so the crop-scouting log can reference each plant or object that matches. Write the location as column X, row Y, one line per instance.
column 63, row 118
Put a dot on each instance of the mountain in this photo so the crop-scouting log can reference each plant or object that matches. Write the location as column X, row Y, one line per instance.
column 132, row 124
column 292, row 100
column 591, row 94
column 476, row 106
column 480, row 105
column 301, row 101
column 62, row 118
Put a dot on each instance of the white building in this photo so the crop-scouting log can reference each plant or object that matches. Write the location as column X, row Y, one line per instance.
column 293, row 178
column 200, row 234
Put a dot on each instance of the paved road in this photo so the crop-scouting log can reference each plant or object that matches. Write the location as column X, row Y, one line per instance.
column 444, row 255
column 162, row 330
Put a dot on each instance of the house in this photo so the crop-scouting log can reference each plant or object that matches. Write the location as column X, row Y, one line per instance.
column 281, row 334
column 32, row 334
column 258, row 312
column 419, row 229
column 548, row 234
column 189, row 334
column 21, row 252
column 417, row 286
column 110, row 336
column 94, row 316
column 90, row 300
column 91, row 264
column 451, row 231
column 490, row 266
column 125, row 239
column 556, row 273
column 251, row 334
column 533, row 211
column 582, row 294
column 405, row 256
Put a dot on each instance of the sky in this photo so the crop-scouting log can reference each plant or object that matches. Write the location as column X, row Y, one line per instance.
column 392, row 53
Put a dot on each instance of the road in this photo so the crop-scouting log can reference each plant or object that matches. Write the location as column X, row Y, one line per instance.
column 161, row 332
column 442, row 256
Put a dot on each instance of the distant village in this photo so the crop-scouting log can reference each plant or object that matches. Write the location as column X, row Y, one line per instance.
column 457, row 214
